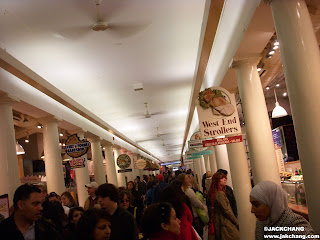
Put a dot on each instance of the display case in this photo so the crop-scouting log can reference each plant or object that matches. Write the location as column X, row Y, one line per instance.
column 296, row 192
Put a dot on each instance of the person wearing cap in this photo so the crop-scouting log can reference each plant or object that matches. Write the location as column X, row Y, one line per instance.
column 92, row 200
column 156, row 194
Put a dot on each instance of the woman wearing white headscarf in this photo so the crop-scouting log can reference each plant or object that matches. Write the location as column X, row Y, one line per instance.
column 270, row 206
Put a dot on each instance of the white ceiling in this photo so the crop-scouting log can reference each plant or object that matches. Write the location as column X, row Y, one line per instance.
column 154, row 43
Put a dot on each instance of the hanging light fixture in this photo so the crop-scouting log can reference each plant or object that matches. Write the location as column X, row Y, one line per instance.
column 19, row 149
column 278, row 111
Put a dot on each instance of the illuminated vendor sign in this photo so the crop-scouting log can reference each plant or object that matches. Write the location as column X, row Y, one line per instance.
column 217, row 112
column 76, row 148
column 221, row 141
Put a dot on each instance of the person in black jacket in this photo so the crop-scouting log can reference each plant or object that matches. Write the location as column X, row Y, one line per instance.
column 123, row 224
column 230, row 195
column 26, row 222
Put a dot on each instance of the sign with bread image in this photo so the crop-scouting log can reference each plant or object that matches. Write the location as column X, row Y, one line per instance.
column 217, row 112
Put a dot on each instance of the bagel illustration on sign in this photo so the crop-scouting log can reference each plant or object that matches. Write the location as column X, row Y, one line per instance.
column 75, row 147
column 217, row 100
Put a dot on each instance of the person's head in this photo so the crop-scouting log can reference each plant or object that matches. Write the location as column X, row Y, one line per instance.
column 94, row 225
column 52, row 197
column 75, row 214
column 209, row 174
column 125, row 197
column 184, row 178
column 130, row 185
column 218, row 182
column 44, row 192
column 27, row 202
column 91, row 188
column 107, row 195
column 67, row 200
column 268, row 201
column 225, row 172
column 175, row 196
column 54, row 212
column 138, row 177
column 158, row 217
column 160, row 178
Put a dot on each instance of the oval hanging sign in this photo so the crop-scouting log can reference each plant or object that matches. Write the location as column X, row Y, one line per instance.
column 141, row 163
column 123, row 161
column 75, row 147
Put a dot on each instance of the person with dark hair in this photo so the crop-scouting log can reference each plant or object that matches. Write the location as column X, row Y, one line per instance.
column 160, row 222
column 67, row 200
column 125, row 202
column 95, row 224
column 174, row 195
column 74, row 215
column 26, row 222
column 123, row 224
column 54, row 213
column 53, row 197
column 230, row 195
column 44, row 192
column 137, row 196
column 148, row 199
column 223, row 224
column 156, row 194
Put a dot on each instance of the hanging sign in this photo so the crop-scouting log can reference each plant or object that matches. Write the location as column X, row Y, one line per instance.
column 195, row 142
column 141, row 163
column 221, row 141
column 188, row 161
column 125, row 170
column 77, row 162
column 75, row 147
column 123, row 161
column 217, row 112
column 276, row 134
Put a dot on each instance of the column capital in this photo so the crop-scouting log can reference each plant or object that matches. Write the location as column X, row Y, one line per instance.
column 115, row 146
column 7, row 98
column 253, row 59
column 106, row 143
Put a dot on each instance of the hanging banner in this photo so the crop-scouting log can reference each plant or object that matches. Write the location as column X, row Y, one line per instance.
column 276, row 134
column 195, row 142
column 221, row 141
column 217, row 112
column 188, row 161
column 77, row 162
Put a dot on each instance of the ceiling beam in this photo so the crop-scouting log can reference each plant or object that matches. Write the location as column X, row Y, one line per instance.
column 210, row 33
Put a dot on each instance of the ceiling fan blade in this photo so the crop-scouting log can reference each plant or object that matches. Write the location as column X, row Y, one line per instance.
column 75, row 33
column 125, row 30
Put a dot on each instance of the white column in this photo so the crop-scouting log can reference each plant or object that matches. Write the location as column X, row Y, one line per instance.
column 207, row 163
column 82, row 177
column 98, row 168
column 223, row 161
column 212, row 160
column 110, row 165
column 9, row 173
column 242, row 187
column 262, row 153
column 120, row 176
column 52, row 154
column 301, row 60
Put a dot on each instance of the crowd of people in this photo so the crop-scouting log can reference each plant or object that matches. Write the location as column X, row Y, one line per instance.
column 169, row 206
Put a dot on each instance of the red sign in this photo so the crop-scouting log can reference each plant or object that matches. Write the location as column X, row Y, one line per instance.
column 221, row 141
column 77, row 162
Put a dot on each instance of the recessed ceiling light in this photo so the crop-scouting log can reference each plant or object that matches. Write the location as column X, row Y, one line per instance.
column 271, row 52
column 60, row 144
column 275, row 47
column 259, row 69
column 285, row 94
column 27, row 140
column 276, row 43
column 61, row 134
column 39, row 126
column 267, row 88
column 277, row 85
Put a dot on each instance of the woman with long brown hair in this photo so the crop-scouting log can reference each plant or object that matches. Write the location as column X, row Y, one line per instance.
column 223, row 224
